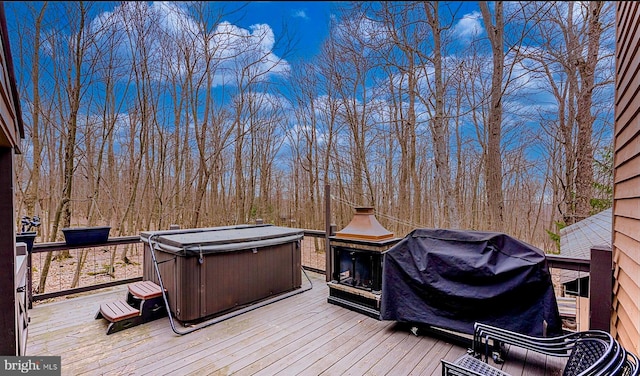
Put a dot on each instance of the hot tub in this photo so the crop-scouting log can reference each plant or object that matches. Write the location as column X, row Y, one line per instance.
column 212, row 271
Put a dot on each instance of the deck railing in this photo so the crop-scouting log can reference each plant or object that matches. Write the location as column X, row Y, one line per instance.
column 96, row 271
column 97, row 261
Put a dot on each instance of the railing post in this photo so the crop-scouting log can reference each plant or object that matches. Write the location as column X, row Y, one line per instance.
column 327, row 231
column 600, row 288
column 29, row 278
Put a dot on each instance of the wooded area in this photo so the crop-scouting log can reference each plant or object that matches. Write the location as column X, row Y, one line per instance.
column 143, row 115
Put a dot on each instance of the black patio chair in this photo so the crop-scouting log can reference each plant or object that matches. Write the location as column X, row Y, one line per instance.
column 631, row 366
column 469, row 366
column 591, row 352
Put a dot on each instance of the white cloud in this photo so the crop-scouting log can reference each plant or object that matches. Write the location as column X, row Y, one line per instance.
column 175, row 41
column 235, row 48
column 172, row 18
column 300, row 14
column 469, row 26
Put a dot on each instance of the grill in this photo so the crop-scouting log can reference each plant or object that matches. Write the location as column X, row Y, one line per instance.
column 356, row 263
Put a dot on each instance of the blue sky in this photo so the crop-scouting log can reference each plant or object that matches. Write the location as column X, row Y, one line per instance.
column 307, row 21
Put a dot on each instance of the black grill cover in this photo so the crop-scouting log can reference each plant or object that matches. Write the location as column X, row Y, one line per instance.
column 452, row 278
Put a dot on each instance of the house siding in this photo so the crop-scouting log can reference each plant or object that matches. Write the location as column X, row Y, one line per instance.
column 11, row 134
column 625, row 321
column 11, row 130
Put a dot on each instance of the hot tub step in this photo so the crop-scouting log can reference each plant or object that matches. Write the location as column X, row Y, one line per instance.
column 144, row 303
column 145, row 290
column 118, row 310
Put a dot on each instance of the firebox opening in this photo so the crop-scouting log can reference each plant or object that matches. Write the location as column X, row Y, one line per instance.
column 355, row 269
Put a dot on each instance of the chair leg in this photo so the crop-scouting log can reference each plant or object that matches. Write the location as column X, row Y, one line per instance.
column 497, row 357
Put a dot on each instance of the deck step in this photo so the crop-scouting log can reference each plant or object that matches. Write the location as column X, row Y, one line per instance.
column 144, row 303
column 118, row 311
column 145, row 290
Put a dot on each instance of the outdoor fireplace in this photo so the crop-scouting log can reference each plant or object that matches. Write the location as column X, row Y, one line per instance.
column 356, row 263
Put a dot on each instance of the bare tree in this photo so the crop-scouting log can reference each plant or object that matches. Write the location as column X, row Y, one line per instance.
column 75, row 49
column 493, row 166
column 380, row 114
column 439, row 129
column 570, row 37
column 401, row 62
column 584, row 116
column 305, row 142
column 352, row 67
column 32, row 197
column 253, row 68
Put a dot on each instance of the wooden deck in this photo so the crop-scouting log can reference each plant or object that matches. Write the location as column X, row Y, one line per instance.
column 302, row 334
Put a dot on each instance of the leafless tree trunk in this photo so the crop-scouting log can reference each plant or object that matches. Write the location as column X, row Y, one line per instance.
column 403, row 98
column 570, row 36
column 328, row 113
column 493, row 165
column 73, row 91
column 304, row 88
column 585, row 118
column 32, row 198
column 350, row 69
column 439, row 129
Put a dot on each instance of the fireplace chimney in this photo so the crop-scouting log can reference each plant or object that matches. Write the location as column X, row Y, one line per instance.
column 364, row 226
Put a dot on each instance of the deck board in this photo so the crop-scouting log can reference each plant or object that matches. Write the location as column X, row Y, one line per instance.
column 284, row 356
column 299, row 335
column 516, row 361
